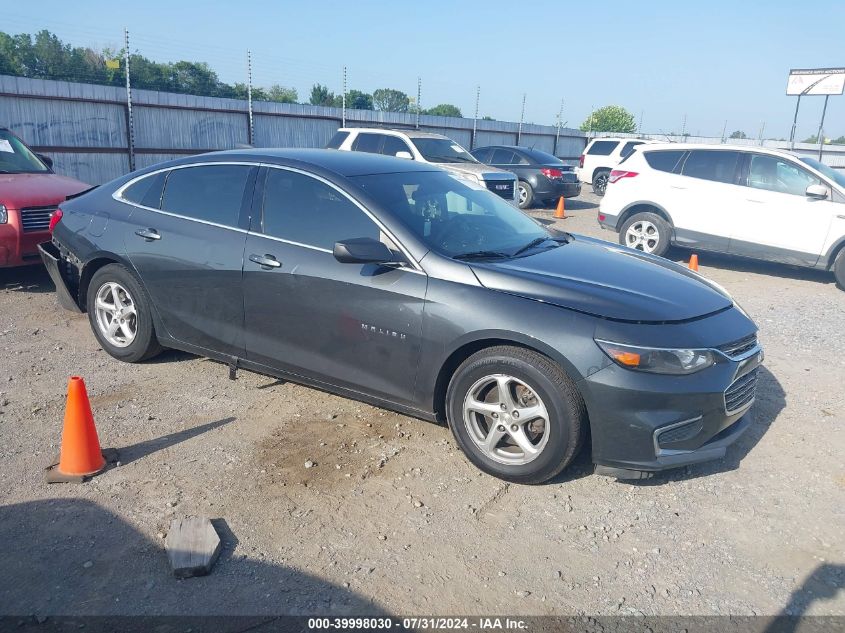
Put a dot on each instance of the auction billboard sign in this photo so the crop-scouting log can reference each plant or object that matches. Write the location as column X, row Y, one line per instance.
column 815, row 81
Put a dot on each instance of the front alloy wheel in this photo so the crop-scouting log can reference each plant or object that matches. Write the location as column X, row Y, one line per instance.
column 506, row 419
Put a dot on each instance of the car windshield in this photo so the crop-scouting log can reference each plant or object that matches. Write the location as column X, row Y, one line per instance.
column 17, row 158
column 835, row 176
column 456, row 218
column 442, row 150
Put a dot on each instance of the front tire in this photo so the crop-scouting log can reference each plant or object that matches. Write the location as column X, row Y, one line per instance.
column 600, row 182
column 646, row 232
column 120, row 315
column 525, row 195
column 839, row 269
column 515, row 414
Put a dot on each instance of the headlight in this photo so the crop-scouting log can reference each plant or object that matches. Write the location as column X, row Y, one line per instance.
column 4, row 215
column 658, row 360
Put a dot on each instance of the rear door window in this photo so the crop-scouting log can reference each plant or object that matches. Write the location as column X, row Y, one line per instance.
column 393, row 145
column 602, row 148
column 213, row 193
column 715, row 165
column 366, row 142
column 664, row 160
column 337, row 140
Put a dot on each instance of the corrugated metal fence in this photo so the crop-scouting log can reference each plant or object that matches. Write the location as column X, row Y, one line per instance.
column 84, row 127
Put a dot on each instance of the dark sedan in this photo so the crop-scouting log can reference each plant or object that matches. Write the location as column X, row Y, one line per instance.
column 543, row 178
column 395, row 283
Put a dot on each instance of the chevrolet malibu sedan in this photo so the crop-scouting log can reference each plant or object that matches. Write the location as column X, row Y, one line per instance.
column 394, row 283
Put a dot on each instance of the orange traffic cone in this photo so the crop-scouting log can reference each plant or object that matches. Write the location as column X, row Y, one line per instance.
column 81, row 456
column 693, row 262
column 560, row 213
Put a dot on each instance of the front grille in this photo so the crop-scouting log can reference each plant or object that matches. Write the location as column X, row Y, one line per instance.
column 741, row 392
column 679, row 433
column 36, row 218
column 738, row 348
column 502, row 188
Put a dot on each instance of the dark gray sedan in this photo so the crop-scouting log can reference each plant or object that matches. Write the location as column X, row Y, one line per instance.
column 395, row 283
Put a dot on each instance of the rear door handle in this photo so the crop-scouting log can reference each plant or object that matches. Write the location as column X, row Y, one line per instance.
column 756, row 201
column 677, row 187
column 148, row 234
column 267, row 262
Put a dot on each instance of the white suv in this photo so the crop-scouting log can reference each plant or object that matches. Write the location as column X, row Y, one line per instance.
column 600, row 156
column 425, row 147
column 748, row 201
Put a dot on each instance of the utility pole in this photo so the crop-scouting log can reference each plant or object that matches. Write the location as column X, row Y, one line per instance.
column 475, row 120
column 249, row 96
column 760, row 135
column 640, row 126
column 821, row 128
column 521, row 118
column 590, row 127
column 419, row 96
column 559, row 122
column 684, row 126
column 130, row 124
column 343, row 115
column 724, row 131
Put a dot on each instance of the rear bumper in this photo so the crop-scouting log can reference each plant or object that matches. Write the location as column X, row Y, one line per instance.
column 549, row 188
column 19, row 248
column 57, row 269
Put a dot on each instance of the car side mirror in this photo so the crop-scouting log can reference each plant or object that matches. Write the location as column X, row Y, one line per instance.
column 46, row 160
column 817, row 192
column 363, row 250
column 404, row 154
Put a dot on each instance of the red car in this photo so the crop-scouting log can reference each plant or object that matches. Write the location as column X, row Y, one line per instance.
column 30, row 193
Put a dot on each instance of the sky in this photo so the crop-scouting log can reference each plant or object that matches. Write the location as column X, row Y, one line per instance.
column 674, row 64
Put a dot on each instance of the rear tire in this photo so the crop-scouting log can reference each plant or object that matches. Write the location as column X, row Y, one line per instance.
column 525, row 194
column 646, row 232
column 839, row 269
column 600, row 182
column 516, row 414
column 120, row 314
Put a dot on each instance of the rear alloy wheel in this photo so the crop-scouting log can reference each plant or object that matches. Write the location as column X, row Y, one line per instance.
column 120, row 315
column 525, row 194
column 646, row 232
column 515, row 414
column 600, row 183
column 839, row 269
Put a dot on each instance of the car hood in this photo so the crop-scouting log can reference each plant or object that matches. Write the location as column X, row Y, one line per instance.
column 602, row 279
column 477, row 169
column 37, row 190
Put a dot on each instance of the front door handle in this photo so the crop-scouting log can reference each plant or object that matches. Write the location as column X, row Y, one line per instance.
column 267, row 262
column 148, row 234
column 756, row 201
column 677, row 187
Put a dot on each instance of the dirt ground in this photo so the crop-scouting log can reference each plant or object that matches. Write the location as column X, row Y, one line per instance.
column 391, row 518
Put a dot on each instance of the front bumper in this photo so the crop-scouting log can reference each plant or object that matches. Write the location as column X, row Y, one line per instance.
column 648, row 422
column 17, row 247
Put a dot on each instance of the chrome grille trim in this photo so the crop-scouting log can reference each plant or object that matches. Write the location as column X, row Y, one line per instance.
column 739, row 348
column 36, row 218
column 740, row 395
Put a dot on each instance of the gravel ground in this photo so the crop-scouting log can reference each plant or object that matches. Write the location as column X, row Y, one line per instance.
column 391, row 517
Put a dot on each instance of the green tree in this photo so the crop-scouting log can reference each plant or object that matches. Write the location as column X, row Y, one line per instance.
column 444, row 109
column 611, row 118
column 282, row 94
column 321, row 96
column 811, row 139
column 390, row 100
column 738, row 134
column 358, row 100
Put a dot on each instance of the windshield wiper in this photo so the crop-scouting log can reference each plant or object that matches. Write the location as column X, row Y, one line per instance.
column 536, row 242
column 481, row 255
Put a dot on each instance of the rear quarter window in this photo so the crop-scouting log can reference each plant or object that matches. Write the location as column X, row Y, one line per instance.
column 337, row 140
column 146, row 191
column 665, row 160
column 628, row 148
column 602, row 148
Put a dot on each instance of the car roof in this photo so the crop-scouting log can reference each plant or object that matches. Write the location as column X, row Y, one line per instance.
column 757, row 149
column 336, row 161
column 408, row 133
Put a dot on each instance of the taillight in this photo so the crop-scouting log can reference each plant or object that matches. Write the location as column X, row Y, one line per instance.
column 54, row 219
column 551, row 173
column 581, row 161
column 619, row 174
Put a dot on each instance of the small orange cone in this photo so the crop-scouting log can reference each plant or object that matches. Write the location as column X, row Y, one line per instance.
column 693, row 262
column 560, row 213
column 81, row 456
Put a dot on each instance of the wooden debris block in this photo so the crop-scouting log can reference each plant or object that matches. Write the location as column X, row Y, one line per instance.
column 192, row 546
